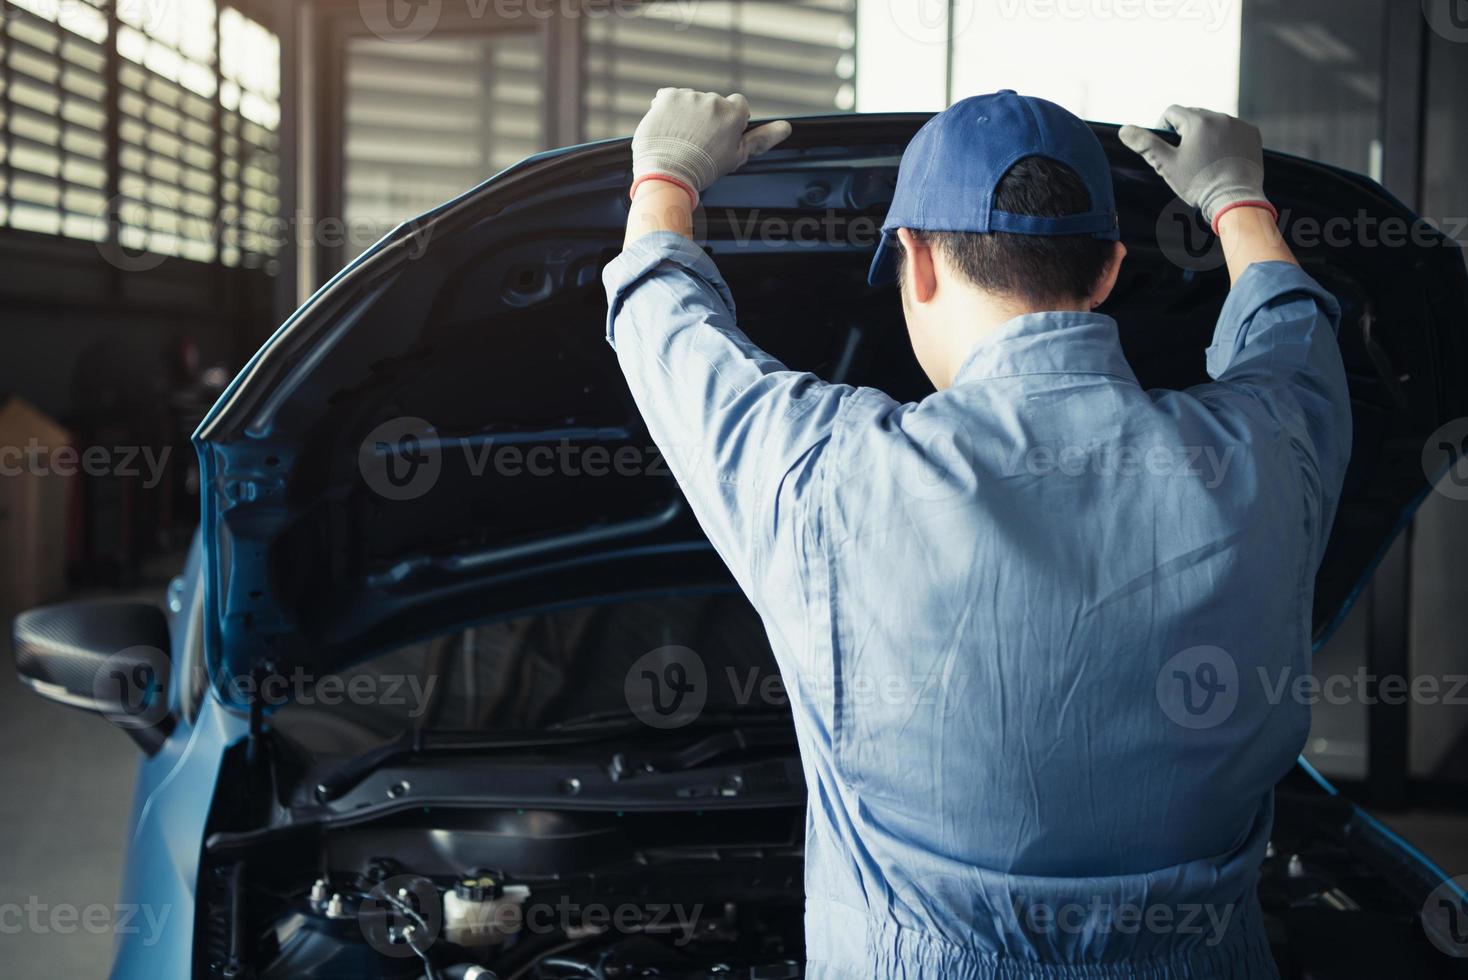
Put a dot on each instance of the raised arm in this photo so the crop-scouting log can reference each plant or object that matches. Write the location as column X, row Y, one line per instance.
column 741, row 433
column 1275, row 358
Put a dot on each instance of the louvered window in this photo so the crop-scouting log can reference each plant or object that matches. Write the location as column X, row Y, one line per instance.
column 796, row 57
column 167, row 102
column 53, row 93
column 196, row 91
column 427, row 121
column 249, row 96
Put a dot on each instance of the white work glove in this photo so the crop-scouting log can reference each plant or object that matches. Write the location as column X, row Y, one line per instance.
column 1219, row 163
column 695, row 138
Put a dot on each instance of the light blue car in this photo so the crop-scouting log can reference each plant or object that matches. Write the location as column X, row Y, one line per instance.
column 451, row 684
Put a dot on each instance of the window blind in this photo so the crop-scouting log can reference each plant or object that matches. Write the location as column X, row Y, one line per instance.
column 196, row 95
column 790, row 58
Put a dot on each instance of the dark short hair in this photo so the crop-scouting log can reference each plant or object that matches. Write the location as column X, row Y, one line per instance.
column 1039, row 269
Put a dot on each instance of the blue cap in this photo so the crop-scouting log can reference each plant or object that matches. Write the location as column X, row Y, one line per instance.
column 950, row 169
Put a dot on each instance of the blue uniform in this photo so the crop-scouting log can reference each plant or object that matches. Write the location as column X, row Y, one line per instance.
column 1033, row 627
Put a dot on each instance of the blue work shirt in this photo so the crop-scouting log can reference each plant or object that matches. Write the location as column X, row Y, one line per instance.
column 1032, row 627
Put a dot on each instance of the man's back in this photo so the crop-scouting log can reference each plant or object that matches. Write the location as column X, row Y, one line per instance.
column 1016, row 565
column 1036, row 629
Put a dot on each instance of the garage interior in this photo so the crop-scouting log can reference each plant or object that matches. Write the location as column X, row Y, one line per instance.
column 177, row 176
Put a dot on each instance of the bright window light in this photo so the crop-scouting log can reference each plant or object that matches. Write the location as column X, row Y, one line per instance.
column 1105, row 60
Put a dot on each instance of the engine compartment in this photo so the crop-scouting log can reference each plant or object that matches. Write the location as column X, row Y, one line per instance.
column 694, row 894
column 526, row 894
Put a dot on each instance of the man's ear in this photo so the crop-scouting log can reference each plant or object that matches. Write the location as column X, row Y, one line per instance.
column 918, row 262
column 1107, row 282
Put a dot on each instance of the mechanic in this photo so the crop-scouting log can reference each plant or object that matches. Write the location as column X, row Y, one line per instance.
column 1027, row 694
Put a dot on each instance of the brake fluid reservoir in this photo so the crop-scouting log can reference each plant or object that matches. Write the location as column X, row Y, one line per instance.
column 480, row 910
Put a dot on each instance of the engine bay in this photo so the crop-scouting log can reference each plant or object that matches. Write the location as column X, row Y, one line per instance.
column 525, row 894
column 711, row 893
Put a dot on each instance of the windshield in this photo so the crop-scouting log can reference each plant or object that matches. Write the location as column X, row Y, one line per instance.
column 662, row 662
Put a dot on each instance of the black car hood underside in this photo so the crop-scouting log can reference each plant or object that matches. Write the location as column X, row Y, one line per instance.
column 484, row 319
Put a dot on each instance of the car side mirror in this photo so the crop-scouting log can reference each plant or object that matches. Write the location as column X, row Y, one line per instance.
column 103, row 655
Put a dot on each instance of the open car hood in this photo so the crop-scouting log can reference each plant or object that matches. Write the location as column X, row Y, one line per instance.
column 360, row 479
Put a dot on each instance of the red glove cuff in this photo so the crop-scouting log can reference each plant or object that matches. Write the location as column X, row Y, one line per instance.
column 692, row 194
column 1244, row 204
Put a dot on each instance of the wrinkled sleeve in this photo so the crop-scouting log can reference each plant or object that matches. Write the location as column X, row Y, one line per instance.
column 1275, row 359
column 742, row 434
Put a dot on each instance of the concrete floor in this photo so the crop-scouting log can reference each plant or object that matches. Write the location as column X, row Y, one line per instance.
column 65, row 795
